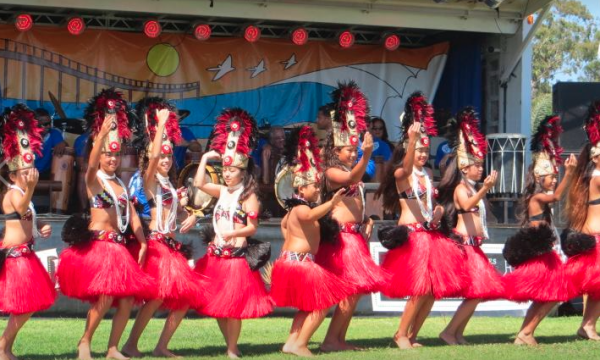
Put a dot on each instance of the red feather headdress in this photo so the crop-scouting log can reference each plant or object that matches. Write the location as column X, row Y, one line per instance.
column 146, row 110
column 592, row 127
column 351, row 110
column 417, row 109
column 308, row 160
column 472, row 144
column 107, row 101
column 234, row 137
column 545, row 148
column 21, row 137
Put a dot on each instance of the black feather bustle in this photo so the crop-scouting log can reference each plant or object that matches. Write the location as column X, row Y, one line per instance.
column 528, row 243
column 574, row 242
column 187, row 250
column 329, row 229
column 290, row 151
column 393, row 236
column 455, row 237
column 76, row 231
column 207, row 234
column 258, row 253
column 291, row 203
column 2, row 258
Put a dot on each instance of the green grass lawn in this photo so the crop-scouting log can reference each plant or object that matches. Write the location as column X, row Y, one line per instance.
column 51, row 338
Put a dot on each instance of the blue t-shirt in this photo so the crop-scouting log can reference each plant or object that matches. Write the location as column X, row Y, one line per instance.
column 179, row 151
column 80, row 144
column 257, row 152
column 370, row 172
column 442, row 150
column 381, row 148
column 136, row 190
column 44, row 162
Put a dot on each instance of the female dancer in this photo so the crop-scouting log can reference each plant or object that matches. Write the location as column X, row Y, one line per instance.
column 539, row 273
column 583, row 266
column 296, row 280
column 25, row 286
column 425, row 265
column 464, row 207
column 97, row 267
column 348, row 257
column 238, row 291
column 178, row 285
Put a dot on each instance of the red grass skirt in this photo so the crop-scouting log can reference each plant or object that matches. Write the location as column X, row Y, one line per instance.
column 305, row 285
column 542, row 279
column 177, row 284
column 349, row 259
column 584, row 272
column 96, row 268
column 484, row 281
column 237, row 292
column 25, row 285
column 428, row 264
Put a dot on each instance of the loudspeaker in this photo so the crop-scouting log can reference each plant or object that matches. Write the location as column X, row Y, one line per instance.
column 571, row 100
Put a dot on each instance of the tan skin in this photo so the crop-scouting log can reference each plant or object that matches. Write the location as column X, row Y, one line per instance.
column 18, row 232
column 301, row 233
column 538, row 310
column 230, row 328
column 468, row 224
column 349, row 209
column 587, row 330
column 106, row 219
column 161, row 164
column 417, row 308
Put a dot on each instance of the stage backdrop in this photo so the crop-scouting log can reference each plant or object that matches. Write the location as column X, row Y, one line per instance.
column 273, row 79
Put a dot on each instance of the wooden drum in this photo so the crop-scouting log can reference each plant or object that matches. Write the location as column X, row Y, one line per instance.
column 62, row 171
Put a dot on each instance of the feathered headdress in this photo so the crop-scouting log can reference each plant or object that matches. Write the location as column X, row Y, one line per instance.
column 146, row 110
column 545, row 148
column 302, row 156
column 417, row 109
column 234, row 137
column 109, row 101
column 348, row 117
column 592, row 128
column 21, row 137
column 469, row 143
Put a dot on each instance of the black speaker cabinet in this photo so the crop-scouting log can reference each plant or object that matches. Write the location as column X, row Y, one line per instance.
column 571, row 100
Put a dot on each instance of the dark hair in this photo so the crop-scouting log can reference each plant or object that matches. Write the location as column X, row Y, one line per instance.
column 532, row 187
column 326, row 109
column 331, row 159
column 579, row 193
column 387, row 188
column 143, row 161
column 385, row 137
column 250, row 184
column 41, row 112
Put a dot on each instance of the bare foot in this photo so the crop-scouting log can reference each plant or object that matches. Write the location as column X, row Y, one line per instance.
column 524, row 339
column 588, row 334
column 84, row 350
column 352, row 347
column 414, row 343
column 113, row 353
column 462, row 341
column 333, row 347
column 233, row 354
column 448, row 338
column 287, row 348
column 403, row 342
column 4, row 355
column 11, row 356
column 165, row 353
column 131, row 351
column 301, row 351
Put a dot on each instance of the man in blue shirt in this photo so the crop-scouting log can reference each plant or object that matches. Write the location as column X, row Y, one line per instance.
column 54, row 143
column 190, row 143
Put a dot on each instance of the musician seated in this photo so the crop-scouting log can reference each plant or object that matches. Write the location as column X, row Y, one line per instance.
column 54, row 143
column 190, row 143
column 271, row 155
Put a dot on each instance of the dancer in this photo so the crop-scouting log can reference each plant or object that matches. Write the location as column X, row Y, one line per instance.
column 296, row 280
column 348, row 256
column 238, row 291
column 425, row 265
column 97, row 267
column 25, row 286
column 179, row 287
column 539, row 274
column 464, row 208
column 580, row 239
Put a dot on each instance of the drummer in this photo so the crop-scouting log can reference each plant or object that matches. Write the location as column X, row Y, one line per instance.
column 189, row 143
column 54, row 143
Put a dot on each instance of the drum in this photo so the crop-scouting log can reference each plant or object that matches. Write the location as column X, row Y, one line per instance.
column 192, row 157
column 129, row 164
column 199, row 202
column 506, row 155
column 62, row 171
column 283, row 186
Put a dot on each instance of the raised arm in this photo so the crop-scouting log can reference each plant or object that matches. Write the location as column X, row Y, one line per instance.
column 94, row 160
column 353, row 176
column 304, row 213
column 465, row 202
column 21, row 202
column 570, row 165
column 409, row 157
column 213, row 190
column 154, row 157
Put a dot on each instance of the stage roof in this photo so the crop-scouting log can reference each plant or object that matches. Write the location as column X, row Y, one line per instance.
column 428, row 15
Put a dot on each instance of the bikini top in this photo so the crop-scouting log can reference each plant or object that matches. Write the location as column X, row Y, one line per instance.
column 474, row 209
column 538, row 217
column 239, row 216
column 594, row 202
column 167, row 198
column 354, row 190
column 410, row 195
column 103, row 200
column 28, row 216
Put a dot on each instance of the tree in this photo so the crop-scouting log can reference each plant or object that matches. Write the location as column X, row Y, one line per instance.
column 564, row 43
